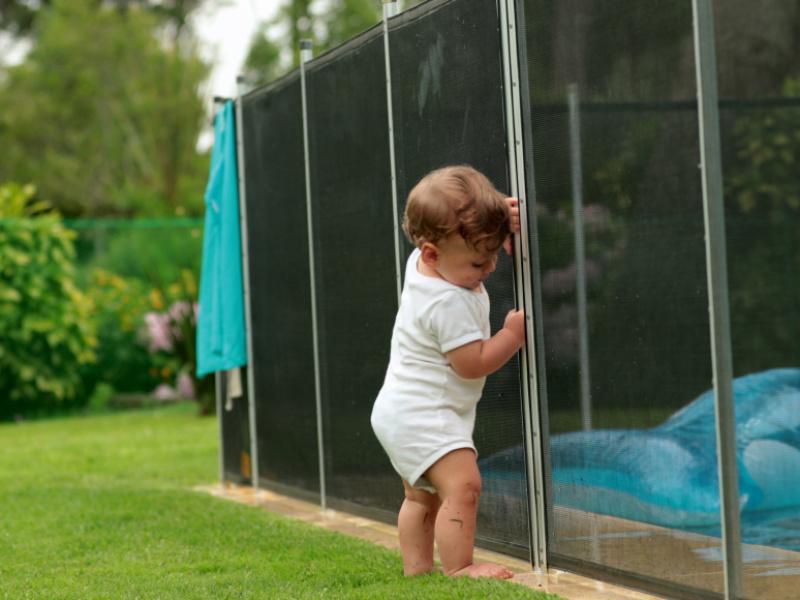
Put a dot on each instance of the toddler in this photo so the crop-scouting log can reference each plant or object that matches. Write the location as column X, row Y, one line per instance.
column 441, row 353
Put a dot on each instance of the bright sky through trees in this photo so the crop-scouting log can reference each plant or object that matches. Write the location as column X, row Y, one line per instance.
column 225, row 33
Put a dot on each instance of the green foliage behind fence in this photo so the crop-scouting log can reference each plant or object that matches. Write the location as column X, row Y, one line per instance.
column 48, row 334
column 76, row 299
column 152, row 251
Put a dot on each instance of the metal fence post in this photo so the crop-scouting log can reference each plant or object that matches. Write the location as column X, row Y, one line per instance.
column 306, row 53
column 576, row 173
column 716, row 268
column 389, row 10
column 241, row 85
column 522, row 262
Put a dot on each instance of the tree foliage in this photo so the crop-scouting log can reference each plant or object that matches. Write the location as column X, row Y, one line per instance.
column 18, row 17
column 263, row 62
column 105, row 112
column 327, row 23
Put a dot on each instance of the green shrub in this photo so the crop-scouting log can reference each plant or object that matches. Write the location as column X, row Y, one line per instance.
column 48, row 334
column 101, row 397
column 762, row 196
column 146, row 339
column 763, row 177
column 123, row 360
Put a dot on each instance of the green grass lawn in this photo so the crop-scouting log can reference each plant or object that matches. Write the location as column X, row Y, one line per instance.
column 102, row 507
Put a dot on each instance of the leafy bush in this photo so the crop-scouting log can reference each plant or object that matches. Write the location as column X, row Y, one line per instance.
column 763, row 177
column 123, row 361
column 48, row 335
column 762, row 218
column 147, row 339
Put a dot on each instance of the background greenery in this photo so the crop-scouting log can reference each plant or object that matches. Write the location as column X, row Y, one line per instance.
column 108, row 127
column 101, row 120
column 48, row 335
column 79, row 329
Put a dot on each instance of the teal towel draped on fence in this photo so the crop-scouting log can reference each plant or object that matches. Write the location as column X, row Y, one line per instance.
column 221, row 342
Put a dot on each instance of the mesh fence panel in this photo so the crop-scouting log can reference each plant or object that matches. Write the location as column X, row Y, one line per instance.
column 447, row 87
column 759, row 125
column 440, row 52
column 629, row 493
column 280, row 296
column 631, row 472
column 234, row 422
column 355, row 265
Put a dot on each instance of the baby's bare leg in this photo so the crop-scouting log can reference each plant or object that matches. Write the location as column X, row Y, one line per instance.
column 458, row 481
column 415, row 526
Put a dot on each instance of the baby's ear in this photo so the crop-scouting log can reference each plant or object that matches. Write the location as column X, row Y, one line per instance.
column 429, row 253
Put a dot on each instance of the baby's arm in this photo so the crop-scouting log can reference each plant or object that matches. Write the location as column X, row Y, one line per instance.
column 483, row 357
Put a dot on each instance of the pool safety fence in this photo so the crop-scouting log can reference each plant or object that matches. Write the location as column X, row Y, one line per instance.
column 645, row 433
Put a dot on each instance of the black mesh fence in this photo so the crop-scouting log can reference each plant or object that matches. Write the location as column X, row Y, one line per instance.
column 280, row 301
column 354, row 258
column 447, row 87
column 624, row 309
column 446, row 110
column 760, row 135
column 618, row 264
column 763, row 247
column 234, row 418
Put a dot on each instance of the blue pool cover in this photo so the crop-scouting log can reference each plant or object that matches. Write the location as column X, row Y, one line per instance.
column 667, row 475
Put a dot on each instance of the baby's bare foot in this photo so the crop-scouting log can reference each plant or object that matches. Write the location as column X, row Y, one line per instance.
column 484, row 570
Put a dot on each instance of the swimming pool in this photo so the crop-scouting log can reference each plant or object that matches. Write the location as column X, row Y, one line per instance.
column 667, row 475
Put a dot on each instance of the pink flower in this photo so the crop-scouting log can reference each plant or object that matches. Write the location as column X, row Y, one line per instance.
column 180, row 310
column 164, row 392
column 185, row 385
column 596, row 217
column 562, row 282
column 158, row 332
column 561, row 334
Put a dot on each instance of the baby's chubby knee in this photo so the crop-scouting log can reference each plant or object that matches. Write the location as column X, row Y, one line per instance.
column 466, row 492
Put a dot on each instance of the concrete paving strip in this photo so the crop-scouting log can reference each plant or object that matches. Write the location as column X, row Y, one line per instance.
column 565, row 584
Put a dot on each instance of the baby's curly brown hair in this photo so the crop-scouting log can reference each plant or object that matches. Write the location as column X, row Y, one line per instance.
column 457, row 199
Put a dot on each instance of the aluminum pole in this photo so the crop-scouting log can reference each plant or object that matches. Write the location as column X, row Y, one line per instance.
column 576, row 173
column 524, row 296
column 251, row 385
column 717, row 273
column 389, row 10
column 306, row 54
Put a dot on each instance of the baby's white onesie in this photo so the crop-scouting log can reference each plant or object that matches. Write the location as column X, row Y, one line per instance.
column 425, row 409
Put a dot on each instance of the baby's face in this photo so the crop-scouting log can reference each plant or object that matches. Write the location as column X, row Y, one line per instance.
column 462, row 265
